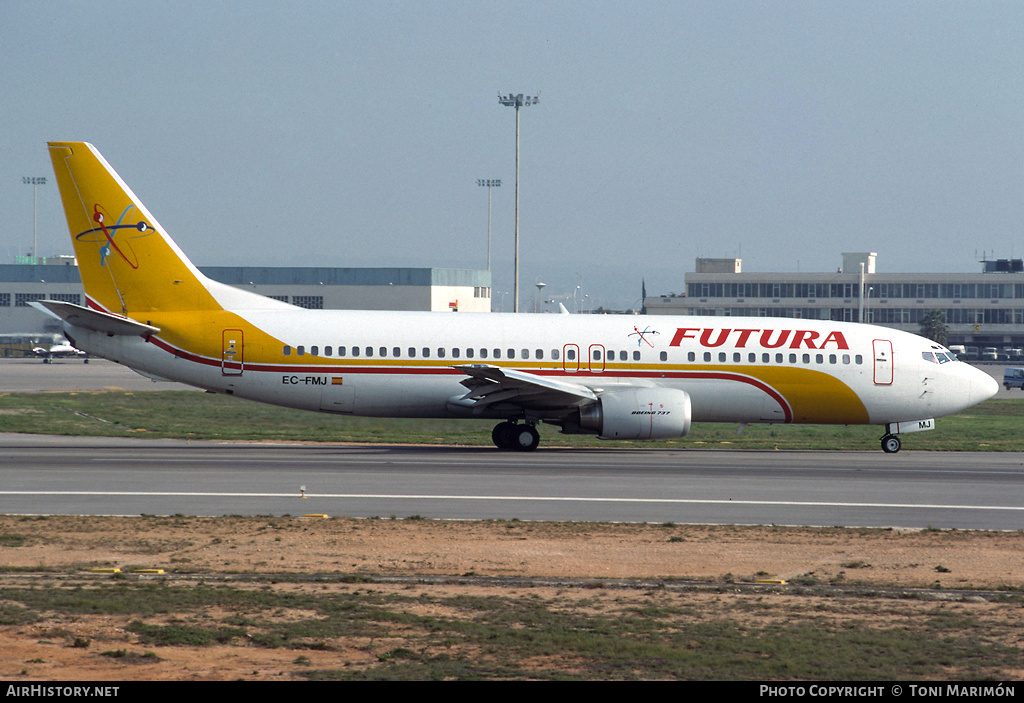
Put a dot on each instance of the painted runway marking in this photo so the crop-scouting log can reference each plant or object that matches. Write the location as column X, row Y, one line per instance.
column 548, row 499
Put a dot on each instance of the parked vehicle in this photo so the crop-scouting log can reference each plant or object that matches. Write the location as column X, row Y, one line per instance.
column 989, row 354
column 1013, row 377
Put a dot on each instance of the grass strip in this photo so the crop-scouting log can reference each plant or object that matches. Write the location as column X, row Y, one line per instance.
column 992, row 426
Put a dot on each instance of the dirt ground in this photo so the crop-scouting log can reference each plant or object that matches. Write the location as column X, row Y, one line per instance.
column 55, row 548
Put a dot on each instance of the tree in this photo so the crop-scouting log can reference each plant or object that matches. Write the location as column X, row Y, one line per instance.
column 933, row 326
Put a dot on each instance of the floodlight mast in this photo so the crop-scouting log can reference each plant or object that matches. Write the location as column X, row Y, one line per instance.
column 35, row 182
column 489, row 183
column 517, row 101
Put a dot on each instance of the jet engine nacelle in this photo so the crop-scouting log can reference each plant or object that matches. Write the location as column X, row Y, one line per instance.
column 638, row 413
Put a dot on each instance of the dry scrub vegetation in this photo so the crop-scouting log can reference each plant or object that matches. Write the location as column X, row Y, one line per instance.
column 279, row 598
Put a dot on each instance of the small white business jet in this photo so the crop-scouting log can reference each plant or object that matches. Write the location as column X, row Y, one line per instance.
column 619, row 377
column 60, row 350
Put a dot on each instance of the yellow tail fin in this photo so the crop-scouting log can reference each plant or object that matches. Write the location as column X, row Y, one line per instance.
column 128, row 263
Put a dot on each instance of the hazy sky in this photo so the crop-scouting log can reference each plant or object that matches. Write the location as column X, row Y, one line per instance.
column 341, row 133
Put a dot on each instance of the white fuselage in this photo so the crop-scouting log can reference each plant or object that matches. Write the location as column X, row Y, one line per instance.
column 734, row 369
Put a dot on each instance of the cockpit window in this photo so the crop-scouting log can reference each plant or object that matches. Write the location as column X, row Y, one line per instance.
column 942, row 355
column 939, row 355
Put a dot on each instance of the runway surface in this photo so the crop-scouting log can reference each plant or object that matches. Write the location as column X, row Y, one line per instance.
column 49, row 475
column 30, row 375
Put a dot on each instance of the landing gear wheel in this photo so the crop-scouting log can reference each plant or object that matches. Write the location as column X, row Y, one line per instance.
column 526, row 438
column 502, row 435
column 890, row 444
column 509, row 435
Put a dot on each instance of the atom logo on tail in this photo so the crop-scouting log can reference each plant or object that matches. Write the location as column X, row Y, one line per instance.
column 105, row 234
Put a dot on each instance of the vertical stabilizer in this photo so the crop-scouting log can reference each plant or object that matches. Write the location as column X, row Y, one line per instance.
column 127, row 262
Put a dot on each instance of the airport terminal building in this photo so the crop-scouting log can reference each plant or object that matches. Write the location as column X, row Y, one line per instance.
column 439, row 290
column 984, row 309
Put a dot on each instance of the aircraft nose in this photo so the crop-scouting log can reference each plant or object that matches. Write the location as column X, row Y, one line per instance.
column 982, row 386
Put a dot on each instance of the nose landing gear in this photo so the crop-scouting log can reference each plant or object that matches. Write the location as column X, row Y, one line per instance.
column 510, row 435
column 890, row 444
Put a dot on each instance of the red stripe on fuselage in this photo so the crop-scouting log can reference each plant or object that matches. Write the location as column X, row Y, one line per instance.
column 342, row 367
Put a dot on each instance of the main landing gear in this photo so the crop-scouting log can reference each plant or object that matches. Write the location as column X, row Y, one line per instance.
column 890, row 444
column 510, row 435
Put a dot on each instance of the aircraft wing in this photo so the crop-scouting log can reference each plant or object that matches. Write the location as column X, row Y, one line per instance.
column 90, row 319
column 492, row 384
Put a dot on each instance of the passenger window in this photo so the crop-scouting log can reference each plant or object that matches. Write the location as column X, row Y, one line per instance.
column 611, row 356
column 524, row 353
column 554, row 354
column 858, row 359
column 355, row 351
column 778, row 358
column 538, row 354
column 846, row 358
column 287, row 350
column 807, row 358
column 819, row 359
column 301, row 350
column 636, row 356
column 383, row 351
column 570, row 354
column 752, row 358
column 597, row 355
column 736, row 356
column 412, row 352
column 707, row 356
column 722, row 356
column 328, row 351
column 497, row 353
column 792, row 358
column 483, row 353
column 766, row 358
column 831, row 358
column 426, row 352
column 455, row 353
column 396, row 352
column 469, row 353
column 440, row 352
column 690, row 356
column 369, row 351
column 315, row 351
column 511, row 354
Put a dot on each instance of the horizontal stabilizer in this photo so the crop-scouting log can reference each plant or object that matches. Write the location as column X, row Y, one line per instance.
column 90, row 319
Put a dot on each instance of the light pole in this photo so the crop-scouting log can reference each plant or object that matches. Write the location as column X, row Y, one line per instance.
column 517, row 101
column 35, row 182
column 489, row 183
column 860, row 313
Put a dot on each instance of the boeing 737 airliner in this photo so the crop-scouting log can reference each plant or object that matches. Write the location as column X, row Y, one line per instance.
column 619, row 377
